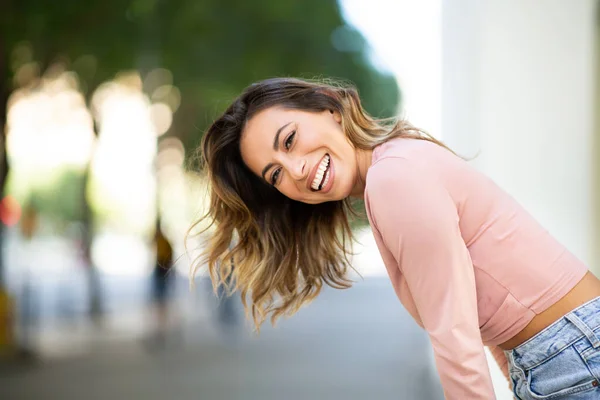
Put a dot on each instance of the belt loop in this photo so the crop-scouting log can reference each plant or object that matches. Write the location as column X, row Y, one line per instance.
column 575, row 320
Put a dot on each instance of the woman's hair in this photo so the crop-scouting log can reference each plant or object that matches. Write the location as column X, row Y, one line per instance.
column 284, row 250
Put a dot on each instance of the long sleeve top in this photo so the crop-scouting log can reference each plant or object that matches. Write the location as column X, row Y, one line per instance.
column 468, row 263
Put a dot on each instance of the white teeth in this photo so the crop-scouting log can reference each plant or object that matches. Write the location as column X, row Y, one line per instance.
column 326, row 178
column 321, row 170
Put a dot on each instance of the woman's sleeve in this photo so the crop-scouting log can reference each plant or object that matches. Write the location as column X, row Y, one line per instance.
column 501, row 360
column 418, row 221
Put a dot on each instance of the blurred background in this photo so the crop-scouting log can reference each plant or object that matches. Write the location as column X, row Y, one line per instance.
column 102, row 104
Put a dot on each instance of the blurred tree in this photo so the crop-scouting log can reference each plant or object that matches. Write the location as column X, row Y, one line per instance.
column 60, row 197
column 222, row 46
column 213, row 49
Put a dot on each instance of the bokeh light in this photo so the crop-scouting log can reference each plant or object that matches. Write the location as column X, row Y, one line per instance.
column 123, row 183
column 49, row 130
column 10, row 211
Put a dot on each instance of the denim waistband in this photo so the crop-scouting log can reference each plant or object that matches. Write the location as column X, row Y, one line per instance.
column 562, row 333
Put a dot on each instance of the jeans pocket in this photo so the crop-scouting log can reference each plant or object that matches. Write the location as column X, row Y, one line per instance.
column 561, row 376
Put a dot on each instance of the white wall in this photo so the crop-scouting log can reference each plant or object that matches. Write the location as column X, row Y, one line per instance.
column 518, row 80
column 596, row 147
column 518, row 86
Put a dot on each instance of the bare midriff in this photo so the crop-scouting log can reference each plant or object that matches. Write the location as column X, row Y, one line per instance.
column 587, row 289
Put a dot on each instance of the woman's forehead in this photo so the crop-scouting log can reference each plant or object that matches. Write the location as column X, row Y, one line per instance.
column 256, row 141
column 265, row 124
column 270, row 116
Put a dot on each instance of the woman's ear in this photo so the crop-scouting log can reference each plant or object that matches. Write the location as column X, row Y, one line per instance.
column 336, row 96
column 336, row 116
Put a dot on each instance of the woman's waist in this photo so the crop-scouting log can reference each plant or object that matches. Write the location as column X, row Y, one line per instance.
column 584, row 291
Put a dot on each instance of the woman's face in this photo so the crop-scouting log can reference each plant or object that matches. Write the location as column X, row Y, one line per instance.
column 305, row 155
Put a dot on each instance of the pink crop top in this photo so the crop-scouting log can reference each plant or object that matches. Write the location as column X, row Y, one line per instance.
column 469, row 264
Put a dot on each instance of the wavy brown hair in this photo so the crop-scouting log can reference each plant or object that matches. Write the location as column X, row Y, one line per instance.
column 285, row 250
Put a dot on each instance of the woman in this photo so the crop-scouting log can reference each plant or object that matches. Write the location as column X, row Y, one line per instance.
column 468, row 263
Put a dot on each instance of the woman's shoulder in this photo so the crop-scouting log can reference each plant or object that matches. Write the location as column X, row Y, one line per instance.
column 410, row 166
column 413, row 153
column 407, row 178
column 403, row 162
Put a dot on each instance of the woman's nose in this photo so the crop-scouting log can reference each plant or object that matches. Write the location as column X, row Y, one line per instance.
column 298, row 169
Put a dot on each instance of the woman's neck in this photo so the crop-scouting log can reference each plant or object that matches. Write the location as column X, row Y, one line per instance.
column 363, row 162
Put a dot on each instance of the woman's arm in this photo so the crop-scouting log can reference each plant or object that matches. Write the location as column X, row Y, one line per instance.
column 418, row 221
column 501, row 360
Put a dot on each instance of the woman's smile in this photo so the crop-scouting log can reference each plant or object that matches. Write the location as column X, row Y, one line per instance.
column 299, row 153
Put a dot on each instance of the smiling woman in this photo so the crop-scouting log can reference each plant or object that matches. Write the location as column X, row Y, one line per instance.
column 469, row 264
column 314, row 157
column 283, row 161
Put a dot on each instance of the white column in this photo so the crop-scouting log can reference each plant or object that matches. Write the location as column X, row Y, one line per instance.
column 518, row 86
column 461, row 54
column 596, row 155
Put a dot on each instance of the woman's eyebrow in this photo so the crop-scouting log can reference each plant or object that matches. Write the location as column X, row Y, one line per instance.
column 275, row 147
column 265, row 169
column 276, row 140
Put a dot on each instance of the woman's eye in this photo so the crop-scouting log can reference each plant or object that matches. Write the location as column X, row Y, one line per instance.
column 289, row 140
column 275, row 176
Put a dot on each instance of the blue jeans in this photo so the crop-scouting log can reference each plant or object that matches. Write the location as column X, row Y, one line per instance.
column 562, row 361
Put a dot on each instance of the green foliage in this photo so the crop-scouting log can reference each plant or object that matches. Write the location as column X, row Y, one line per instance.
column 228, row 45
column 214, row 48
column 61, row 197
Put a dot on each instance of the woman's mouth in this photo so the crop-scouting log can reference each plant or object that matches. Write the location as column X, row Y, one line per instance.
column 322, row 176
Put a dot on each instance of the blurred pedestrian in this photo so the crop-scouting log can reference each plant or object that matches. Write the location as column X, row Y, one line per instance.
column 28, row 307
column 162, row 282
column 470, row 265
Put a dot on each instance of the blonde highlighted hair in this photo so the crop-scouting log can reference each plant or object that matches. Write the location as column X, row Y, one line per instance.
column 285, row 250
